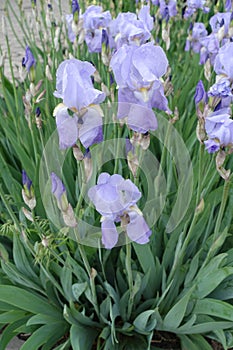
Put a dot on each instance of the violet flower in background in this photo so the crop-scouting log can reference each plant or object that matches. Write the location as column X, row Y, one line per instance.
column 224, row 61
column 139, row 83
column 220, row 21
column 94, row 22
column 105, row 38
column 28, row 191
column 146, row 18
column 59, row 191
column 200, row 94
column 28, row 60
column 27, row 183
column 222, row 88
column 228, row 5
column 129, row 29
column 219, row 129
column 168, row 9
column 193, row 6
column 115, row 199
column 193, row 41
column 210, row 48
column 75, row 6
column 69, row 21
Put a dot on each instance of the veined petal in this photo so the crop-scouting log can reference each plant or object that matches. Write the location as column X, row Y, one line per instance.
column 137, row 229
column 74, row 84
column 150, row 61
column 103, row 178
column 109, row 233
column 141, row 119
column 90, row 131
column 67, row 128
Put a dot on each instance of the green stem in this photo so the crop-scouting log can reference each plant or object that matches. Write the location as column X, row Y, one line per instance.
column 200, row 174
column 163, row 158
column 130, row 278
column 18, row 19
column 117, row 136
column 82, row 189
column 89, row 272
column 225, row 193
column 140, row 155
column 101, row 260
column 31, row 127
column 92, row 278
column 207, row 172
column 14, row 32
column 80, row 199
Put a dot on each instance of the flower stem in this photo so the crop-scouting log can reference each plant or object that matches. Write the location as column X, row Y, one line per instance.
column 117, row 134
column 130, row 278
column 200, row 174
column 222, row 208
column 140, row 154
column 82, row 189
column 162, row 160
column 89, row 272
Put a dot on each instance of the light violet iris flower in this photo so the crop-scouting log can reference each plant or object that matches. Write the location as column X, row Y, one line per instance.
column 115, row 199
column 219, row 129
column 95, row 21
column 138, row 72
column 28, row 60
column 224, row 61
column 130, row 29
column 75, row 87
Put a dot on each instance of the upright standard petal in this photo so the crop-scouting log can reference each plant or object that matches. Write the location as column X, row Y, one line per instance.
column 150, row 61
column 146, row 18
column 74, row 84
column 94, row 21
column 120, row 64
column 71, row 34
